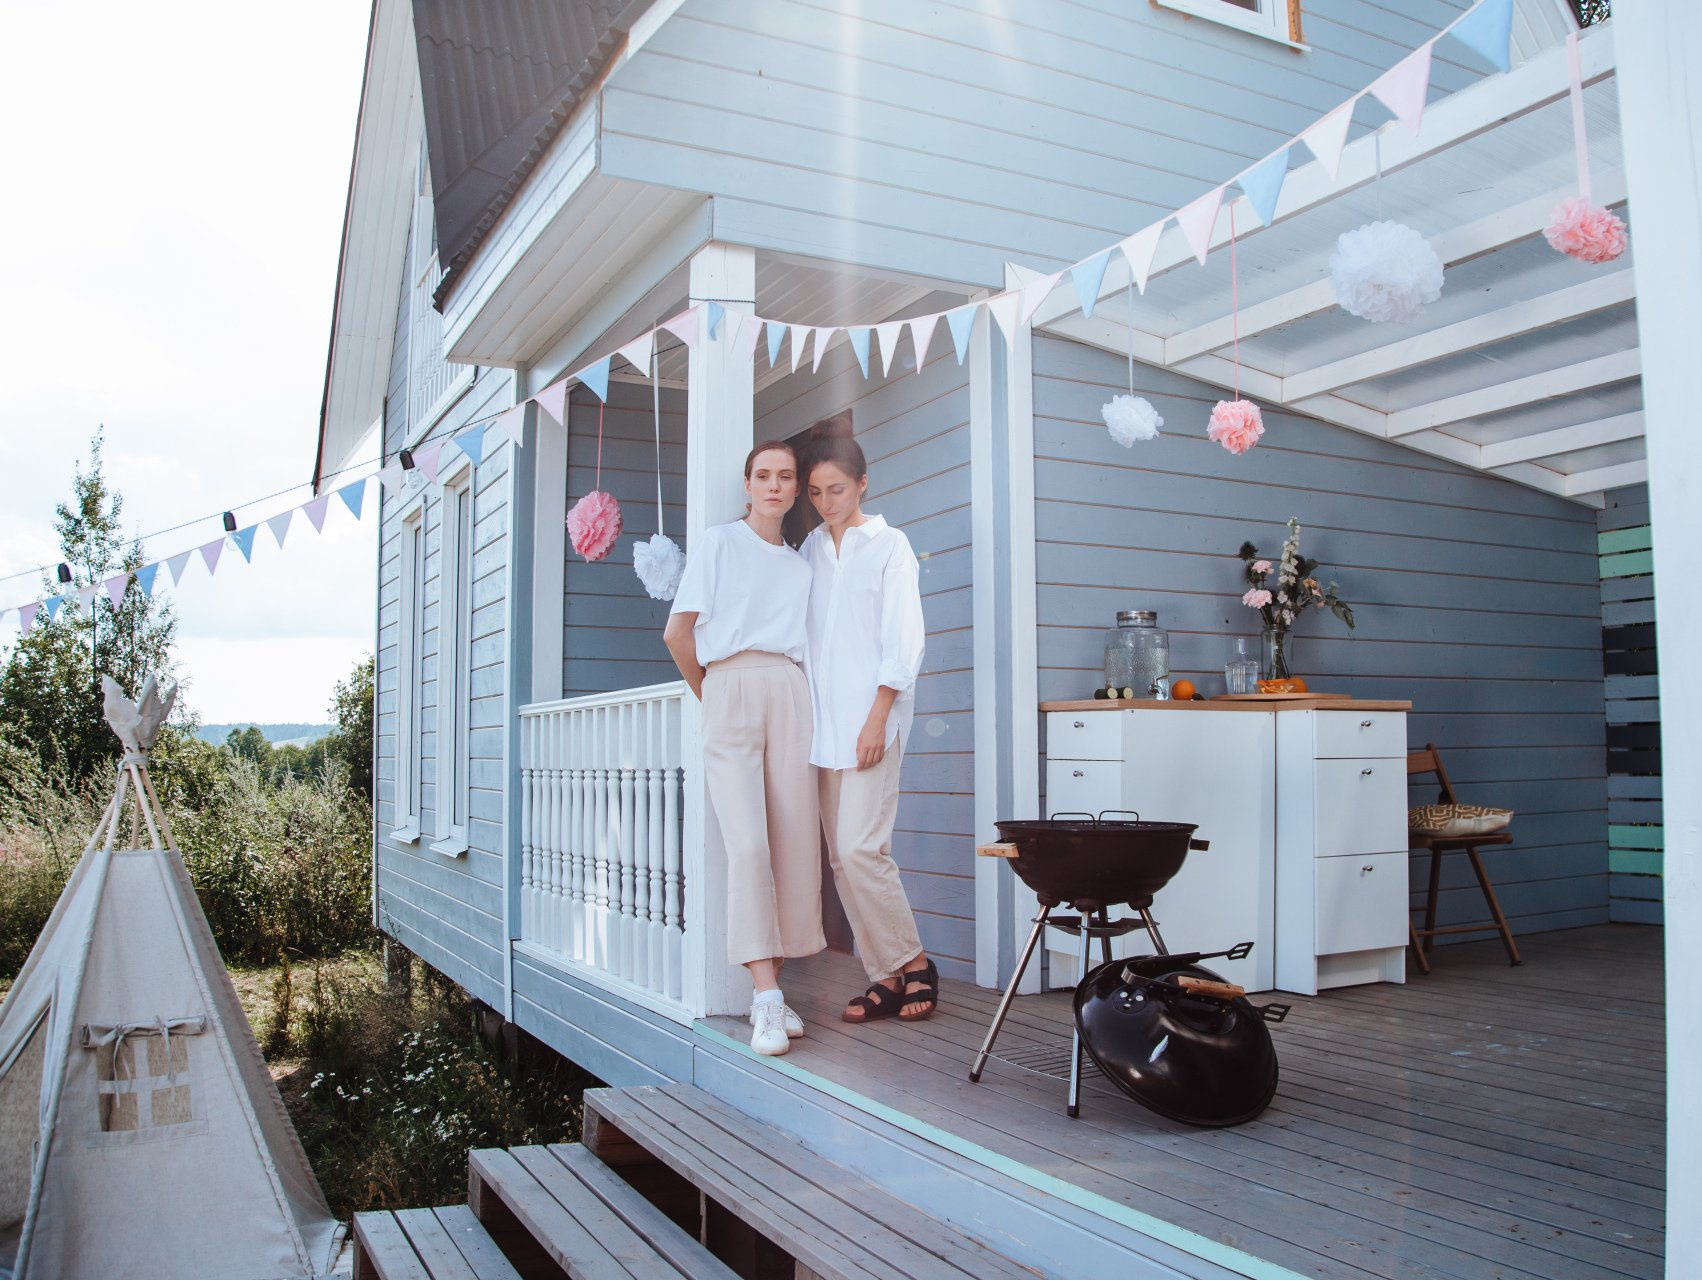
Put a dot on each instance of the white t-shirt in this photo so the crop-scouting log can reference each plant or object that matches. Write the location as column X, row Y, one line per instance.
column 865, row 630
column 747, row 594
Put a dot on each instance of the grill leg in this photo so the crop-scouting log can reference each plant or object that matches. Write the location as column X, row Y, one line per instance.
column 1075, row 1041
column 1151, row 926
column 1105, row 941
column 1010, row 994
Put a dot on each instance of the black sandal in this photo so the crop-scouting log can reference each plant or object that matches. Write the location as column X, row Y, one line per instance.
column 879, row 1001
column 928, row 978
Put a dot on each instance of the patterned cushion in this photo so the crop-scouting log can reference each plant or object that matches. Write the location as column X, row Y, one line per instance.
column 1453, row 821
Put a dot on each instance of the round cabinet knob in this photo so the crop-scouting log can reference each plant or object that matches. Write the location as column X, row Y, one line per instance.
column 1075, row 773
column 1366, row 724
column 1368, row 867
column 1080, row 725
column 1365, row 773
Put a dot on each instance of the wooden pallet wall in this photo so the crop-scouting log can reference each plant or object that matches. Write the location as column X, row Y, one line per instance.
column 1630, row 666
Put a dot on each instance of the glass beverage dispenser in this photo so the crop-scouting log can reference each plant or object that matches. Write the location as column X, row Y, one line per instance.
column 1137, row 656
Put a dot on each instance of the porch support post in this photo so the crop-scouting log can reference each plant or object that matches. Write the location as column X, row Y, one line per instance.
column 1007, row 724
column 1660, row 99
column 720, row 422
column 546, row 461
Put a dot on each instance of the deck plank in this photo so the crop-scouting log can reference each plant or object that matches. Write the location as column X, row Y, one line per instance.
column 1483, row 1120
column 475, row 1244
column 434, row 1245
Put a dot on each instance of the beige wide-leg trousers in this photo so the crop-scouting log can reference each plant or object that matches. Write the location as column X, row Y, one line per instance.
column 756, row 762
column 858, row 808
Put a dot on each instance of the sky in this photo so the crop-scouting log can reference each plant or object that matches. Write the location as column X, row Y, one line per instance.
column 175, row 178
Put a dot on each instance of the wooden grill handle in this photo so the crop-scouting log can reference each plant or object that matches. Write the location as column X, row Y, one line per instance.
column 1205, row 987
column 995, row 850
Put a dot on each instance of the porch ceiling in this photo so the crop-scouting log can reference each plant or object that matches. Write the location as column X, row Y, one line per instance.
column 1527, row 367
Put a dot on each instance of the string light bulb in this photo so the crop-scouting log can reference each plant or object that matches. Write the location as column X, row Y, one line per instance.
column 229, row 522
column 64, row 574
column 406, row 457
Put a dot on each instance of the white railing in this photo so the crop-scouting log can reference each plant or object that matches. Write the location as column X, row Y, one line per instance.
column 601, row 877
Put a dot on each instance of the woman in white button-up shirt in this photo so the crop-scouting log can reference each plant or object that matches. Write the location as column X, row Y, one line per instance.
column 864, row 638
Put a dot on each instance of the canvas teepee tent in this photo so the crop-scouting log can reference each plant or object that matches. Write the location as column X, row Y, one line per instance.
column 140, row 1132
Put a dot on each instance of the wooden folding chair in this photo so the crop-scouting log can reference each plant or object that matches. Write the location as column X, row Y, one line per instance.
column 1428, row 761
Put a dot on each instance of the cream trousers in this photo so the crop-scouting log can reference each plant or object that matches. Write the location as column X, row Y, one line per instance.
column 756, row 763
column 858, row 809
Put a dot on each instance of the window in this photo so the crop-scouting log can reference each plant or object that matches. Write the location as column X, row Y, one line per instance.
column 410, row 624
column 454, row 666
column 1275, row 19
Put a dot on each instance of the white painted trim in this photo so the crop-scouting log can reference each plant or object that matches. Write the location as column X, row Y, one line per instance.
column 631, row 992
column 549, row 553
column 1586, row 375
column 1271, row 22
column 983, row 520
column 1551, row 444
column 1603, row 478
column 411, row 593
column 454, row 667
column 510, row 722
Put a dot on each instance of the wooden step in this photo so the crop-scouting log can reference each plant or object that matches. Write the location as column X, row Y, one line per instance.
column 558, row 1211
column 427, row 1244
column 831, row 1221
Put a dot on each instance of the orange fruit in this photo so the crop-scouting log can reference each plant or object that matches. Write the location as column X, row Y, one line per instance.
column 1298, row 684
column 1182, row 691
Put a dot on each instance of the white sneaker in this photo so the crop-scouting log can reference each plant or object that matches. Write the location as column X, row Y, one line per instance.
column 769, row 1035
column 794, row 1024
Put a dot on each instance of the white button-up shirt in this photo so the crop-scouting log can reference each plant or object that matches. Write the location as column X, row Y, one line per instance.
column 864, row 629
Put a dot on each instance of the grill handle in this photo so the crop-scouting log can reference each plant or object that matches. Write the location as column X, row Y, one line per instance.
column 1103, row 812
column 1197, row 844
column 1071, row 813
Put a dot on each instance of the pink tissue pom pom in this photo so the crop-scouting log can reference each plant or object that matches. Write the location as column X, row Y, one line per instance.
column 594, row 523
column 1585, row 231
column 1236, row 425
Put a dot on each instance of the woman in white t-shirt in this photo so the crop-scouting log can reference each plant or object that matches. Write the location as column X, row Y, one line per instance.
column 865, row 638
column 737, row 635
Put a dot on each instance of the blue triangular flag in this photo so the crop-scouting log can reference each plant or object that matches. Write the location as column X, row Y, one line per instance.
column 860, row 344
column 54, row 604
column 1488, row 30
column 961, row 323
column 351, row 494
column 1263, row 184
column 145, row 579
column 596, row 377
column 244, row 539
column 471, row 440
column 715, row 312
column 1088, row 276
column 776, row 335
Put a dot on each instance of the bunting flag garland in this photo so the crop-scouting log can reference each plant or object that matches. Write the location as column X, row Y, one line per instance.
column 244, row 540
column 116, row 586
column 315, row 512
column 1036, row 292
column 1487, row 31
column 713, row 315
column 210, row 552
column 637, row 352
column 1405, row 87
column 776, row 335
column 800, row 334
column 860, row 347
column 1138, row 251
column 961, row 322
column 1003, row 308
column 280, row 525
column 145, row 579
column 684, row 327
column 595, row 378
column 1262, row 184
column 1087, row 277
column 749, row 330
column 553, row 401
column 1198, row 220
column 352, row 496
column 472, row 442
column 26, row 616
column 53, row 604
column 921, row 334
column 887, row 334
column 824, row 335
column 392, row 478
column 429, row 459
column 1328, row 137
column 177, row 564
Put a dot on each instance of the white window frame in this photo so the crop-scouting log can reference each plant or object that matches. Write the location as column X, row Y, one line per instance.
column 410, row 619
column 423, row 276
column 1277, row 20
column 454, row 661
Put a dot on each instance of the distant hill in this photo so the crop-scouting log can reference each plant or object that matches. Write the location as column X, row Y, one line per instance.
column 277, row 734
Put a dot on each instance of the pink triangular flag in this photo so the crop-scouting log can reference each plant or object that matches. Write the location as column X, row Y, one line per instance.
column 887, row 335
column 1035, row 292
column 553, row 401
column 1198, row 220
column 1327, row 138
column 428, row 460
column 177, row 564
column 26, row 615
column 1003, row 308
column 315, row 512
column 280, row 525
column 748, row 329
column 800, row 334
column 1404, row 87
column 685, row 325
column 637, row 353
column 1138, row 251
column 511, row 425
column 824, row 336
column 393, row 478
column 922, row 333
column 210, row 553
column 115, row 587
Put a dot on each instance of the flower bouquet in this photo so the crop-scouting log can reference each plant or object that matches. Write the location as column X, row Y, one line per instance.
column 1297, row 590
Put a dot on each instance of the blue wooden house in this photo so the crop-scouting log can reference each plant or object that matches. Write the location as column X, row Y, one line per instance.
column 538, row 185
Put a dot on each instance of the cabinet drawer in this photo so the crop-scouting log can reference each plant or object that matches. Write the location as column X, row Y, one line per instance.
column 1083, row 786
column 1084, row 735
column 1361, row 806
column 1360, row 734
column 1362, row 903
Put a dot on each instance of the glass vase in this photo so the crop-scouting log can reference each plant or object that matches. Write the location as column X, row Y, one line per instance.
column 1278, row 650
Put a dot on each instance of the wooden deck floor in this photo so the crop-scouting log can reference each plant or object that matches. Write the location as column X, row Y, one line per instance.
column 1484, row 1121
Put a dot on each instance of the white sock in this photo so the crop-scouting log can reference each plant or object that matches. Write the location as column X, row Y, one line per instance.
column 771, row 996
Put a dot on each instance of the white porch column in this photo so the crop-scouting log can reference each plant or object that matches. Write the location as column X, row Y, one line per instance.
column 1660, row 99
column 720, row 422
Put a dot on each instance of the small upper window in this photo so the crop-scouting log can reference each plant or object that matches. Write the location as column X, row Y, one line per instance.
column 1276, row 19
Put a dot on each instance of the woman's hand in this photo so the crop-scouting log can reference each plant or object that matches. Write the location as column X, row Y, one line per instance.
column 871, row 743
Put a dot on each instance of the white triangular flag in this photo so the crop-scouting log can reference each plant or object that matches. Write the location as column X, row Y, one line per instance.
column 824, row 335
column 800, row 335
column 1035, row 292
column 1405, row 87
column 280, row 525
column 1139, row 249
column 749, row 330
column 115, row 588
column 887, row 336
column 553, row 401
column 1327, row 138
column 1198, row 220
column 637, row 352
column 922, row 333
column 1003, row 308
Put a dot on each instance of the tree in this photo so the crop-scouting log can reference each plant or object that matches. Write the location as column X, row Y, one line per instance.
column 350, row 743
column 50, row 690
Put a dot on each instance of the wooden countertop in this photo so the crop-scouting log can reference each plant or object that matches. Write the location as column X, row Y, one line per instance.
column 1278, row 702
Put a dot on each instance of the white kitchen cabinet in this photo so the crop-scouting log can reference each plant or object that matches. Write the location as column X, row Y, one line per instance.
column 1305, row 811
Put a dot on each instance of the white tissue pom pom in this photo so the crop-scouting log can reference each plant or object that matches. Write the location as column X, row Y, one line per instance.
column 1385, row 271
column 659, row 564
column 1130, row 418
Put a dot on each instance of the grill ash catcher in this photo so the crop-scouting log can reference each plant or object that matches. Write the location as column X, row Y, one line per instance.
column 1172, row 1035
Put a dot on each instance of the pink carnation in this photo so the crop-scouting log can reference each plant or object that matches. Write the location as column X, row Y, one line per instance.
column 1585, row 231
column 1261, row 566
column 1236, row 425
column 1257, row 598
column 594, row 523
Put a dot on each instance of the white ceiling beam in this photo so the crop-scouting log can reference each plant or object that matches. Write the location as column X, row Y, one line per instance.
column 1586, row 375
column 1550, row 444
column 1614, row 477
column 1457, row 118
column 1454, row 246
column 1477, row 331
